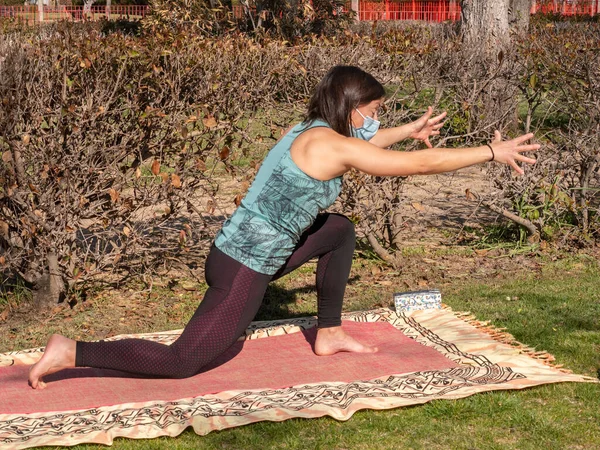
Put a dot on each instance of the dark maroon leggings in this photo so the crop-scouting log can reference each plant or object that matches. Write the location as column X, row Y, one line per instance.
column 233, row 298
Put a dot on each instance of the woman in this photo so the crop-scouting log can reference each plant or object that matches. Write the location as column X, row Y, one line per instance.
column 277, row 228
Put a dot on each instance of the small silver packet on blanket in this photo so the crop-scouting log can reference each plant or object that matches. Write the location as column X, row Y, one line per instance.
column 412, row 301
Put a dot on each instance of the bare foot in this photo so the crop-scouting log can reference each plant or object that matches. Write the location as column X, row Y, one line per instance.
column 59, row 355
column 334, row 339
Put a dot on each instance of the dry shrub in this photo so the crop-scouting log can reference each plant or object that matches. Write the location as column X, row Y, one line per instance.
column 430, row 66
column 558, row 78
column 110, row 146
column 546, row 83
column 116, row 150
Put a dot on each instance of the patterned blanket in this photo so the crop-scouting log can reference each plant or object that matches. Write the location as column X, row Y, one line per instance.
column 273, row 375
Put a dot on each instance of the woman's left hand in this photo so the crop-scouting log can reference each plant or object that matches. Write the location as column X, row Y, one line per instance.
column 427, row 126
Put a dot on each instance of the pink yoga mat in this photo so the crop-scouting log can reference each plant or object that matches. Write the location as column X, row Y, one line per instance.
column 268, row 363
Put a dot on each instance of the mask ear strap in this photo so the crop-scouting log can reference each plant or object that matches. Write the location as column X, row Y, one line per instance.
column 361, row 114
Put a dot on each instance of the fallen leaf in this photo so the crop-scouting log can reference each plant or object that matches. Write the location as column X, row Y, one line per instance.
column 200, row 165
column 418, row 206
column 4, row 229
column 237, row 200
column 126, row 231
column 470, row 196
column 210, row 206
column 4, row 315
column 176, row 181
column 188, row 286
column 224, row 153
column 209, row 122
column 155, row 167
column 114, row 195
column 138, row 173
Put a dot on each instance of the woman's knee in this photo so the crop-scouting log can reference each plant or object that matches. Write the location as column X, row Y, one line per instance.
column 343, row 226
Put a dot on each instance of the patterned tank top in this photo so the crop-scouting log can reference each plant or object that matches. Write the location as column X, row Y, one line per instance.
column 280, row 205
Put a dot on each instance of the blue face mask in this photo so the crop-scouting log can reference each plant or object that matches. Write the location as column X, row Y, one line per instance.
column 368, row 130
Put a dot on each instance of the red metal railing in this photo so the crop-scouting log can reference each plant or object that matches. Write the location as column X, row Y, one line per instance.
column 31, row 14
column 448, row 10
column 567, row 7
column 424, row 10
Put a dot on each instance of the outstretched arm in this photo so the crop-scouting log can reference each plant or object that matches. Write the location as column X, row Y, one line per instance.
column 324, row 154
column 422, row 129
column 379, row 162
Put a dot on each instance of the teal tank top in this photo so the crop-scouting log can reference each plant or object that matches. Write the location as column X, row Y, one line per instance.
column 280, row 205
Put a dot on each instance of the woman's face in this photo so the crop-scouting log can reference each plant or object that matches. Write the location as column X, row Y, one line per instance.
column 367, row 110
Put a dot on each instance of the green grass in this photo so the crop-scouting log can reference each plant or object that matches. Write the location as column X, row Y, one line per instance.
column 13, row 293
column 557, row 311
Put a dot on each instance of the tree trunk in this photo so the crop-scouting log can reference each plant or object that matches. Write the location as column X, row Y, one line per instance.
column 587, row 171
column 518, row 15
column 485, row 22
column 354, row 7
column 87, row 8
column 382, row 252
column 50, row 288
column 108, row 4
column 533, row 235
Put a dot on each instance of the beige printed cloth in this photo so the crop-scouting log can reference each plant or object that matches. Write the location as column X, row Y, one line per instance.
column 424, row 355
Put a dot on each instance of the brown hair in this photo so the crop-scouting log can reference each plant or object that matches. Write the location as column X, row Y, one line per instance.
column 339, row 92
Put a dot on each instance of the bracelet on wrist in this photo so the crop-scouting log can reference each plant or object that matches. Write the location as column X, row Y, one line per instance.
column 493, row 158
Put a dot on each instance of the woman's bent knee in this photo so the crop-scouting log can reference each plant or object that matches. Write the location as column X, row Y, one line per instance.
column 344, row 226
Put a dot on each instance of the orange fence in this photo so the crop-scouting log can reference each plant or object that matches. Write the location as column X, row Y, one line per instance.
column 31, row 14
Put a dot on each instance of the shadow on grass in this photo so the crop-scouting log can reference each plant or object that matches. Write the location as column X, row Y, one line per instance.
column 279, row 303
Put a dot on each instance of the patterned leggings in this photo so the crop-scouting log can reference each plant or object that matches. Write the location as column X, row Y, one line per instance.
column 233, row 298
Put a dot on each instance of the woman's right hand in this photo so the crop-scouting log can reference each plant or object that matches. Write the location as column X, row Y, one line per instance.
column 509, row 152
